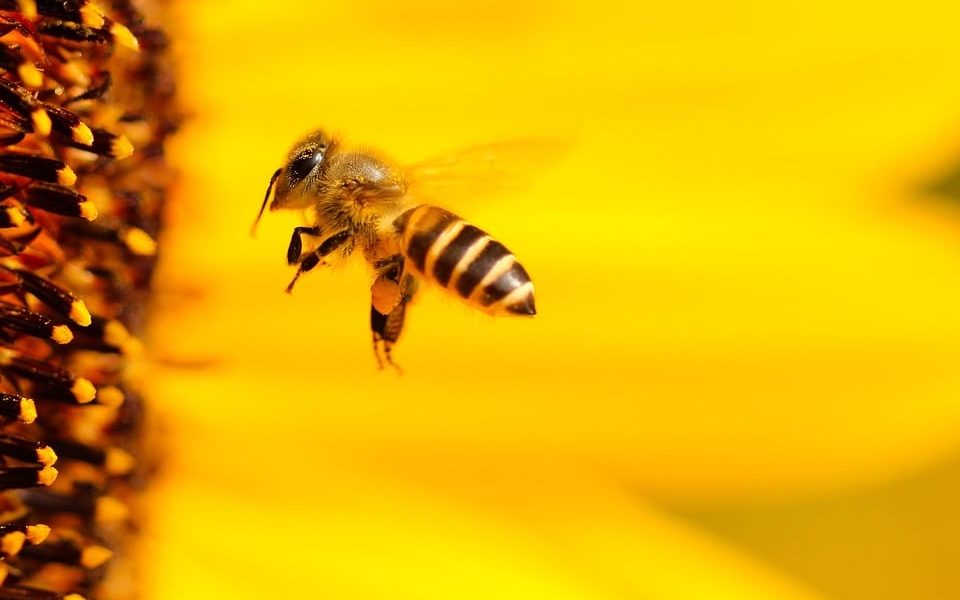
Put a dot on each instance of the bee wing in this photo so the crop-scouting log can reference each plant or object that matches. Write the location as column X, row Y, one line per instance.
column 483, row 171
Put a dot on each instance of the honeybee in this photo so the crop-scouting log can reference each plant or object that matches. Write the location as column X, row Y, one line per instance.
column 356, row 200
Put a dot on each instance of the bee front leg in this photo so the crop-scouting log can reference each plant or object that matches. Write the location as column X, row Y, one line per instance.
column 295, row 249
column 328, row 246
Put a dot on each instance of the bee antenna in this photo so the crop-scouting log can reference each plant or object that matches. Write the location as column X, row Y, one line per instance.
column 266, row 197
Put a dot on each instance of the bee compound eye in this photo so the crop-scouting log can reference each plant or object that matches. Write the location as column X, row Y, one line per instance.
column 303, row 165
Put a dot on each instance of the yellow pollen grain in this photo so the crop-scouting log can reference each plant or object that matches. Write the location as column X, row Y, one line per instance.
column 81, row 134
column 79, row 313
column 37, row 534
column 66, row 176
column 74, row 597
column 111, row 396
column 139, row 242
column 91, row 16
column 61, row 334
column 7, row 355
column 132, row 347
column 41, row 122
column 124, row 37
column 92, row 557
column 15, row 216
column 73, row 73
column 12, row 543
column 46, row 456
column 30, row 75
column 111, row 510
column 115, row 334
column 28, row 8
column 28, row 411
column 89, row 211
column 47, row 476
column 119, row 461
column 121, row 147
column 83, row 390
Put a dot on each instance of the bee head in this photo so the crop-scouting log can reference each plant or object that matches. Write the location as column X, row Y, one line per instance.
column 304, row 166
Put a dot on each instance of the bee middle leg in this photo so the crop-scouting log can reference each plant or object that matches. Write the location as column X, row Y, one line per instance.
column 329, row 245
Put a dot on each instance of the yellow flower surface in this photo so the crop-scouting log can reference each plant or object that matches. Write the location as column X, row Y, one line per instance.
column 742, row 376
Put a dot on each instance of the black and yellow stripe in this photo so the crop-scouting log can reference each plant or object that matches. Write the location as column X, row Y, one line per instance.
column 462, row 258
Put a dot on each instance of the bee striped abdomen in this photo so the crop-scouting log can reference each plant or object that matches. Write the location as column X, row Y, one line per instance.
column 462, row 258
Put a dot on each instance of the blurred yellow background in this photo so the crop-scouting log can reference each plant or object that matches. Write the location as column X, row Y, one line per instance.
column 742, row 379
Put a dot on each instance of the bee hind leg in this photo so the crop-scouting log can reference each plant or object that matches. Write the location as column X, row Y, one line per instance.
column 386, row 330
column 388, row 326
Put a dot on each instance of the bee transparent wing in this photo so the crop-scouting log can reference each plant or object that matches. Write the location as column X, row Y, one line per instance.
column 484, row 171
